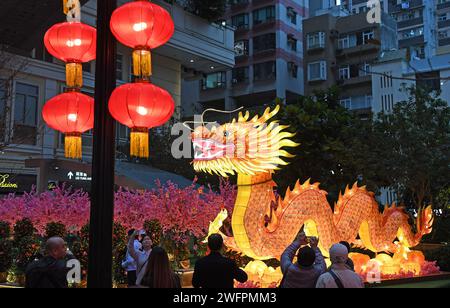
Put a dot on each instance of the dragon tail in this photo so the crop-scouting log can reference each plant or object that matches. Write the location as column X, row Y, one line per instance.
column 424, row 222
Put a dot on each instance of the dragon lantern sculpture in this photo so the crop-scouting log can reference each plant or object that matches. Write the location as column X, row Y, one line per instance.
column 263, row 224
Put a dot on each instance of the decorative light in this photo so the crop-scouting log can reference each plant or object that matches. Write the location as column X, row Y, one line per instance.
column 72, row 114
column 141, row 106
column 142, row 26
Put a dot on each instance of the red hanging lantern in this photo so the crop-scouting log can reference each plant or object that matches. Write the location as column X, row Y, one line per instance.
column 73, row 43
column 71, row 113
column 142, row 26
column 141, row 106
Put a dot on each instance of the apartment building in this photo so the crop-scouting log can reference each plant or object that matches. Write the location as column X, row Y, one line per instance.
column 33, row 154
column 393, row 74
column 340, row 49
column 423, row 25
column 269, row 57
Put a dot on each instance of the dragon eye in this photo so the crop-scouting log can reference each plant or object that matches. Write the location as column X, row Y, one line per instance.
column 226, row 134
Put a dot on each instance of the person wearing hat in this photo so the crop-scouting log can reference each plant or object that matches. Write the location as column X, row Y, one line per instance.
column 340, row 275
column 309, row 266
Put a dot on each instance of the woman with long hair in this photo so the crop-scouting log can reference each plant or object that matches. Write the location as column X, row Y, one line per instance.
column 158, row 273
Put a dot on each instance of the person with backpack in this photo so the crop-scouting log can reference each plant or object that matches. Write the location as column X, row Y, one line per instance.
column 340, row 275
column 309, row 266
column 49, row 272
column 140, row 256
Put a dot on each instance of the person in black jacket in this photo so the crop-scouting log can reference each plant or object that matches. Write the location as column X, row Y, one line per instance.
column 216, row 271
column 50, row 272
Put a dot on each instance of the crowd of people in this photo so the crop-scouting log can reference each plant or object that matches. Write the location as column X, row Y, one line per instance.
column 148, row 266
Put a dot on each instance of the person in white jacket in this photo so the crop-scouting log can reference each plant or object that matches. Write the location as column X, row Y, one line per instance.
column 129, row 264
column 140, row 256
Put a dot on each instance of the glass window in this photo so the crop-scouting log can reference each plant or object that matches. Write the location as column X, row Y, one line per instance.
column 241, row 48
column 265, row 71
column 214, row 81
column 316, row 40
column 368, row 36
column 240, row 75
column 292, row 42
column 26, row 104
column 344, row 73
column 292, row 15
column 317, row 71
column 240, row 21
column 264, row 15
column 119, row 67
column 264, row 42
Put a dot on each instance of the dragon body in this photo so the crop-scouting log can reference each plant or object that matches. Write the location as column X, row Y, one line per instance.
column 265, row 224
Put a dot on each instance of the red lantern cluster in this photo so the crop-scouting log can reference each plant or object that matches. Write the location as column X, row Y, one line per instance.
column 142, row 26
column 71, row 113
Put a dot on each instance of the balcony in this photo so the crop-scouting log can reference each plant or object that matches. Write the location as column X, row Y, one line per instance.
column 405, row 6
column 409, row 23
column 357, row 50
column 444, row 42
column 444, row 24
column 237, row 5
column 356, row 81
column 417, row 40
column 443, row 6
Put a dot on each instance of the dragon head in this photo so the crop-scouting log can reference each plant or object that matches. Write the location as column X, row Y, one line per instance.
column 244, row 146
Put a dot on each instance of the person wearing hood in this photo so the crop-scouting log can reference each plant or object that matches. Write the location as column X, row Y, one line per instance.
column 340, row 275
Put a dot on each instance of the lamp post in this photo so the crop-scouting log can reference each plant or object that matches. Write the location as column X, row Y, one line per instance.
column 102, row 199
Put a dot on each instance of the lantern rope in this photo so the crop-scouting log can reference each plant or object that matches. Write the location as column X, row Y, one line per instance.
column 72, row 9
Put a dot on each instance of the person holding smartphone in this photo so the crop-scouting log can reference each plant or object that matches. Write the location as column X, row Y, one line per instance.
column 309, row 266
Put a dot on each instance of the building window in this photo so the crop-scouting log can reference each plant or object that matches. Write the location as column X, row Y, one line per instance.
column 292, row 42
column 411, row 33
column 368, row 36
column 317, row 71
column 264, row 42
column 292, row 15
column 316, row 40
column 264, row 15
column 293, row 70
column 240, row 21
column 442, row 17
column 344, row 73
column 365, row 70
column 430, row 81
column 347, row 41
column 26, row 105
column 214, row 81
column 241, row 48
column 346, row 102
column 265, row 71
column 119, row 67
column 122, row 133
column 3, row 100
column 240, row 75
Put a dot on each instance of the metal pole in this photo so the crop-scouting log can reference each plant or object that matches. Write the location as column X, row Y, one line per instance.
column 102, row 197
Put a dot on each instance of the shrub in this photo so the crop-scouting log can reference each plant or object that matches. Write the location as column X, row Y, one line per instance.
column 442, row 256
column 55, row 229
column 154, row 230
column 6, row 255
column 5, row 230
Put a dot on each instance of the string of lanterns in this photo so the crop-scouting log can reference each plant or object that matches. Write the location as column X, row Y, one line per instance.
column 140, row 105
column 71, row 113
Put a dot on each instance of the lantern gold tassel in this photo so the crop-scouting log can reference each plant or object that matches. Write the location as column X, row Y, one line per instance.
column 139, row 145
column 74, row 75
column 72, row 145
column 142, row 64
